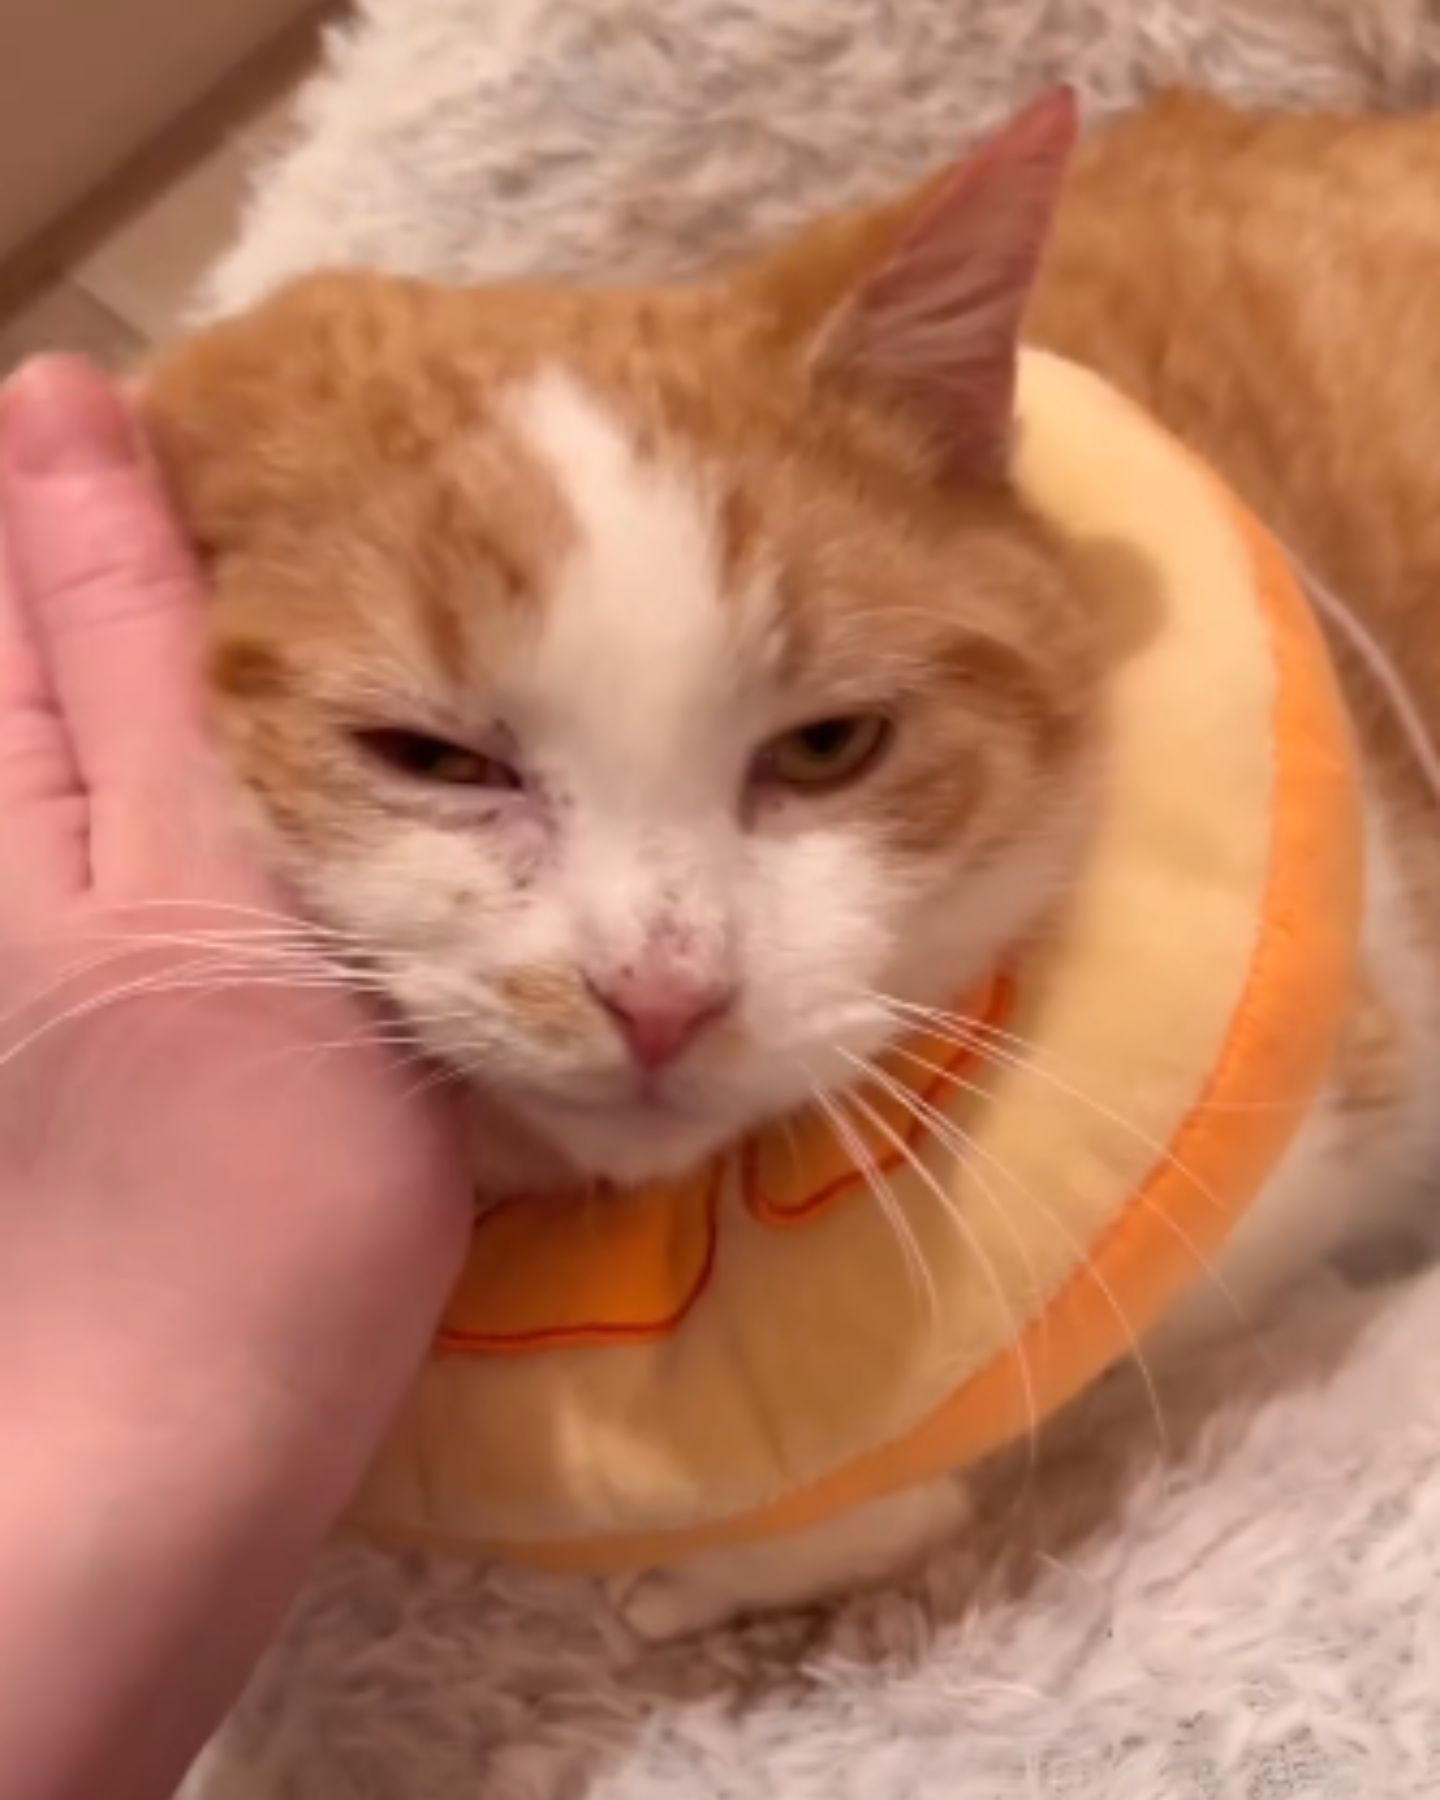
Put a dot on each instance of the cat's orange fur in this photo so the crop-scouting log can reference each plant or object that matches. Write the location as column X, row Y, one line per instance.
column 350, row 493
column 1268, row 287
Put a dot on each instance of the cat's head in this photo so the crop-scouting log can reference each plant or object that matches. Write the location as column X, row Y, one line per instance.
column 660, row 689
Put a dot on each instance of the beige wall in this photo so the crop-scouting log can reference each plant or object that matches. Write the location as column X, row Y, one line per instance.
column 83, row 83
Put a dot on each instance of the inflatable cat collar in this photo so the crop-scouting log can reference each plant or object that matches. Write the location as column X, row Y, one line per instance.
column 742, row 1354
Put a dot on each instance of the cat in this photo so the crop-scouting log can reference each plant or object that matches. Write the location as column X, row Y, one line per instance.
column 662, row 688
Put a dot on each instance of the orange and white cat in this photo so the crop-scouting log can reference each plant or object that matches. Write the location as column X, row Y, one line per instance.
column 662, row 690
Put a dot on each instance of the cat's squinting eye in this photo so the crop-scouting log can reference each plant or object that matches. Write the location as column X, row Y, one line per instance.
column 828, row 753
column 436, row 760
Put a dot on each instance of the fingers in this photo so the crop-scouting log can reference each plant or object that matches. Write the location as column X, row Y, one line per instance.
column 110, row 596
column 44, row 856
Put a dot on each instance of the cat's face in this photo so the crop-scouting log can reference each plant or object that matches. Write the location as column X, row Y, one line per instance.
column 650, row 715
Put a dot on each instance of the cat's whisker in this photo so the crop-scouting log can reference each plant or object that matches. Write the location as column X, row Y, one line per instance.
column 277, row 947
column 203, row 976
column 856, row 1149
column 896, row 1211
column 292, row 960
column 1034, row 1055
column 179, row 978
column 969, row 1150
column 960, row 1033
column 854, row 1146
column 1205, row 1265
column 441, row 1076
column 977, row 1250
column 401, row 1056
column 920, row 1110
column 226, row 908
column 211, row 919
column 954, row 1217
column 149, row 945
column 65, row 978
column 381, row 1038
column 196, row 989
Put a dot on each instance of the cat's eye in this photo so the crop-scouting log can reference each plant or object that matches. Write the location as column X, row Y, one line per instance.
column 825, row 754
column 437, row 760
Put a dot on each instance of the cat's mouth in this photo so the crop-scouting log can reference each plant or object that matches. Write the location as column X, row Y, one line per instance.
column 634, row 1134
column 675, row 1095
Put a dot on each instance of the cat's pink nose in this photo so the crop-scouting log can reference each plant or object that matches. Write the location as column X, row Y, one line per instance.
column 660, row 1013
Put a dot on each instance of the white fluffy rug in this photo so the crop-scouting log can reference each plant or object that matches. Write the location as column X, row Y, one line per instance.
column 1250, row 1614
column 502, row 137
column 1245, row 1607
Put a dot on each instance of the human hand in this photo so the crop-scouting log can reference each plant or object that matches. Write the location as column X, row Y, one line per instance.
column 228, row 1216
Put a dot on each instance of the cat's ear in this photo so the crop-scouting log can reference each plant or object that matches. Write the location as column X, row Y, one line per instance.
column 934, row 331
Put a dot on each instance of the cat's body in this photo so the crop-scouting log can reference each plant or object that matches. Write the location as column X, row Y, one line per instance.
column 602, row 668
column 1270, row 289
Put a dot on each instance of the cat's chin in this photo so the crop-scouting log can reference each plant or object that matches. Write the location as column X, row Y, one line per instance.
column 629, row 1145
column 540, row 1143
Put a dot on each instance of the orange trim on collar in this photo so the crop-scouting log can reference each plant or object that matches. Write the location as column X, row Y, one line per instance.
column 612, row 1266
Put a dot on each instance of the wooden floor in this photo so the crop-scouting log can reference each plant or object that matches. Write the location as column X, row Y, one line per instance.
column 115, row 278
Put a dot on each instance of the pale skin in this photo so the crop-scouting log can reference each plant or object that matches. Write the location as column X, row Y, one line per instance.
column 223, row 1246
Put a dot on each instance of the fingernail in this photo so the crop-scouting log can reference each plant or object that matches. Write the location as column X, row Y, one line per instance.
column 59, row 417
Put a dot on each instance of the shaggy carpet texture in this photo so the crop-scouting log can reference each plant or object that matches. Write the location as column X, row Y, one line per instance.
column 1224, row 1590
column 1239, row 1606
column 491, row 138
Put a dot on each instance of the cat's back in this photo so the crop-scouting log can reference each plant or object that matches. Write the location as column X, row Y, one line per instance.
column 1270, row 288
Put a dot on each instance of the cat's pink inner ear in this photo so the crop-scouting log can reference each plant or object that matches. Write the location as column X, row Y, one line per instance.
column 935, row 331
